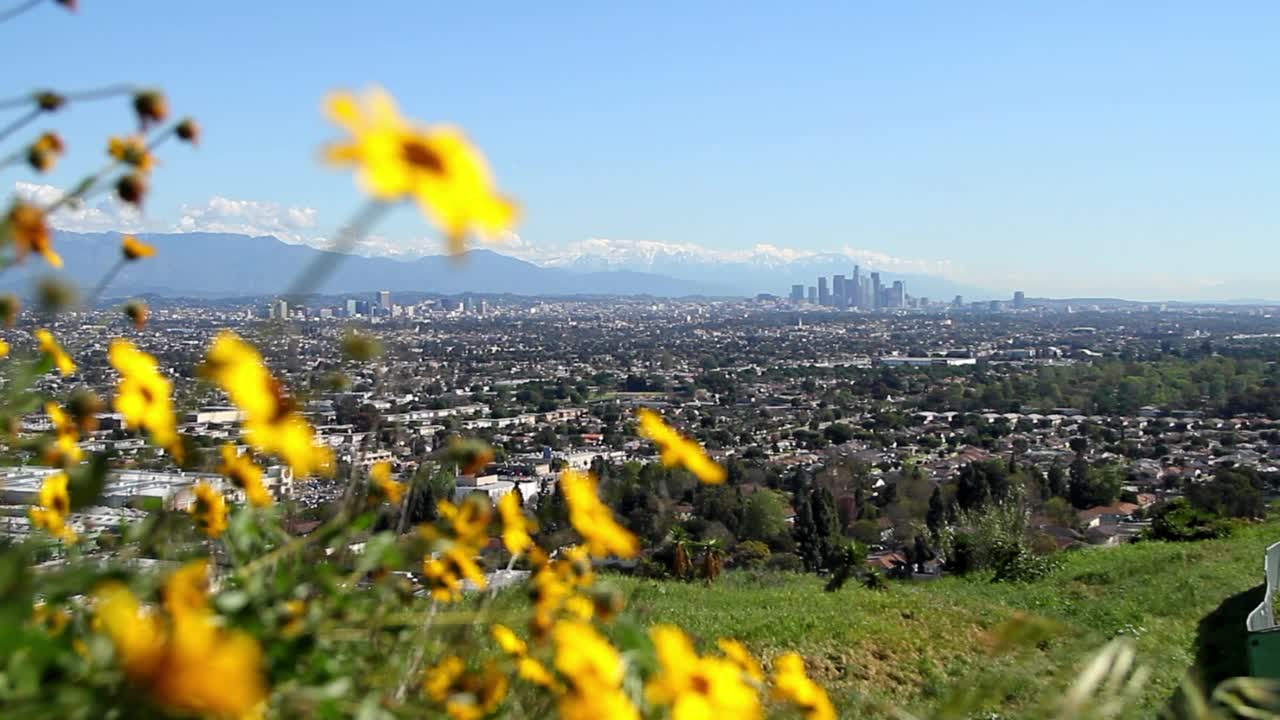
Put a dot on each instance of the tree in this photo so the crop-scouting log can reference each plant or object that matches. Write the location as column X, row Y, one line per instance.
column 765, row 516
column 936, row 516
column 1092, row 486
column 1233, row 492
column 1057, row 482
column 1079, row 444
column 1059, row 510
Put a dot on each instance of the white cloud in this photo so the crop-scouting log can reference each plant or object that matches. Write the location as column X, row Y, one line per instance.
column 106, row 214
column 294, row 225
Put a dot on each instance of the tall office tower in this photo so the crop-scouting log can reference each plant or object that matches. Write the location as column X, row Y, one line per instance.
column 853, row 289
column 384, row 300
column 280, row 310
column 351, row 307
column 1019, row 300
column 824, row 295
column 958, row 302
column 837, row 288
column 813, row 295
column 797, row 293
column 899, row 294
column 876, row 295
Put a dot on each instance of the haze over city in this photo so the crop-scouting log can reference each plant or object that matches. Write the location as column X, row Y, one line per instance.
column 1086, row 149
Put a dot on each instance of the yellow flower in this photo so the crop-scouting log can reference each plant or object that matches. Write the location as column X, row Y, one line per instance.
column 695, row 687
column 4, row 349
column 386, row 488
column 244, row 474
column 65, row 450
column 445, row 571
column 465, row 695
column 593, row 519
column 134, row 249
column 49, row 346
column 54, row 620
column 594, row 669
column 515, row 526
column 31, row 233
column 209, row 510
column 742, row 657
column 470, row 520
column 55, row 506
column 434, row 165
column 790, row 683
column 273, row 424
column 144, row 396
column 131, row 151
column 526, row 667
column 184, row 659
column 678, row 450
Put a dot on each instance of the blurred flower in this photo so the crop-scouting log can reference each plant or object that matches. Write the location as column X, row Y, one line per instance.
column 696, row 687
column 595, row 671
column 84, row 406
column 790, row 683
column 526, row 667
column 434, row 165
column 9, row 307
column 188, row 131
column 244, row 474
column 132, row 188
column 55, row 506
column 144, row 395
column 185, row 660
column 360, row 347
column 31, row 233
column 469, row 520
column 470, row 455
column 49, row 346
column 445, row 571
column 465, row 695
column 679, row 451
column 65, row 450
column 138, row 313
column 55, row 294
column 742, row 657
column 209, row 510
column 151, row 107
column 44, row 152
column 4, row 349
column 384, row 486
column 273, row 424
column 49, row 101
column 515, row 526
column 53, row 620
column 131, row 151
column 593, row 519
column 295, row 612
column 133, row 249
column 71, row 5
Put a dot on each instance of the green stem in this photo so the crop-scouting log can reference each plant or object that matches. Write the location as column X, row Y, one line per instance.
column 20, row 123
column 18, row 9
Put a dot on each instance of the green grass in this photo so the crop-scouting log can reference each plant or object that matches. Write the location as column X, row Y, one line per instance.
column 917, row 644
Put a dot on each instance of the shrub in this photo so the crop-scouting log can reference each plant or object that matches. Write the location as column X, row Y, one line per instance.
column 785, row 562
column 1178, row 520
column 751, row 554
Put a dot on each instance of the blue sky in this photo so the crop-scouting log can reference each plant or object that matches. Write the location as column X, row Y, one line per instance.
column 1125, row 148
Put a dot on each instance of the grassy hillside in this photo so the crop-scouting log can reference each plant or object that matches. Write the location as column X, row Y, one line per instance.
column 918, row 642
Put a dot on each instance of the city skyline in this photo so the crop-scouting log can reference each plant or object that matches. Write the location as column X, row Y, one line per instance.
column 1092, row 139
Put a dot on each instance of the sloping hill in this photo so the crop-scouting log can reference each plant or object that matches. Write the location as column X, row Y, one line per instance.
column 914, row 644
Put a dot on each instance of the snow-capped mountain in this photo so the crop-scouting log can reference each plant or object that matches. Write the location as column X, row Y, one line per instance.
column 763, row 268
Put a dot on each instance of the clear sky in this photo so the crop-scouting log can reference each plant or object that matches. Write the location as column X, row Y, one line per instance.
column 1126, row 148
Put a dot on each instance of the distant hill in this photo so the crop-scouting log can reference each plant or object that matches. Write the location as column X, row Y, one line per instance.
column 222, row 265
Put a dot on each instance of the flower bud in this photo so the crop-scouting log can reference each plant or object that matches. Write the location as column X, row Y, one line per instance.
column 151, row 107
column 132, row 188
column 188, row 131
column 9, row 307
column 138, row 312
column 49, row 101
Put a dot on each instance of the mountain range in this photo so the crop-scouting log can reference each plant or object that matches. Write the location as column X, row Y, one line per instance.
column 225, row 265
